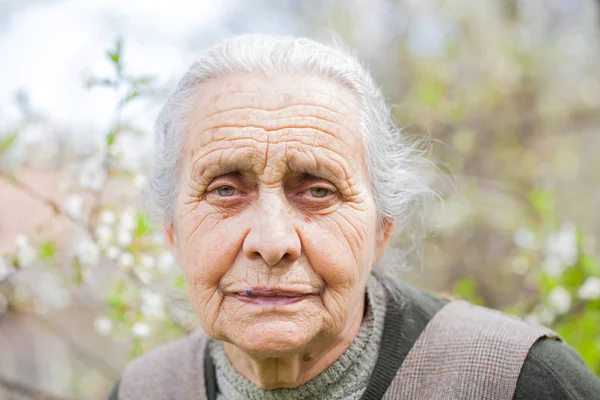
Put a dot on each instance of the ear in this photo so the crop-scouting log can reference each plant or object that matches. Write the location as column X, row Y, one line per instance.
column 171, row 235
column 386, row 230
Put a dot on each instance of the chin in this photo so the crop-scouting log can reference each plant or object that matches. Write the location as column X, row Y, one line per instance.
column 275, row 339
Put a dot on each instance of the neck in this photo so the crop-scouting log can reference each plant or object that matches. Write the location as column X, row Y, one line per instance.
column 296, row 369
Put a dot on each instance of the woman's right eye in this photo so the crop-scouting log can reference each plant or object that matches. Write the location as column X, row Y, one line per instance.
column 226, row 191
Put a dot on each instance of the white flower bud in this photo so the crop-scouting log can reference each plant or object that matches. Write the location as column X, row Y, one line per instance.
column 93, row 175
column 139, row 181
column 166, row 262
column 112, row 252
column 128, row 220
column 524, row 239
column 25, row 253
column 74, row 206
column 107, row 217
column 562, row 246
column 140, row 330
column 103, row 325
column 590, row 290
column 152, row 305
column 3, row 269
column 104, row 236
column 126, row 260
column 560, row 300
column 88, row 253
column 124, row 238
column 147, row 261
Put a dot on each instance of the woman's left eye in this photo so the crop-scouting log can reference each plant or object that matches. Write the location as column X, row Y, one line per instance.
column 319, row 192
column 226, row 191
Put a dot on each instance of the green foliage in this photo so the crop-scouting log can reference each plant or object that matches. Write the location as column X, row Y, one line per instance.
column 143, row 226
column 46, row 251
column 7, row 142
column 466, row 289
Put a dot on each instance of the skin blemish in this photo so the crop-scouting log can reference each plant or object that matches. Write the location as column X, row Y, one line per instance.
column 306, row 219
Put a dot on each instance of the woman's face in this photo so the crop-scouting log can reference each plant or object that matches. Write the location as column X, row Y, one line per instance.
column 275, row 225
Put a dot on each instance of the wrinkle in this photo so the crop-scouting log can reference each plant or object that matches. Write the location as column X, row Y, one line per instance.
column 325, row 97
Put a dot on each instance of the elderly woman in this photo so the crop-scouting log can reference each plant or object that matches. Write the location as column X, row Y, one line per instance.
column 280, row 176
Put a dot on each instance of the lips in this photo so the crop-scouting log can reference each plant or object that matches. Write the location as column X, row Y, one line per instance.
column 269, row 297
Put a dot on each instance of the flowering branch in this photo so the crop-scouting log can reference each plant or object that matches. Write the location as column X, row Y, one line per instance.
column 56, row 208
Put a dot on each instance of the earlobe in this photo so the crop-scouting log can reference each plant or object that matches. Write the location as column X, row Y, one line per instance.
column 386, row 231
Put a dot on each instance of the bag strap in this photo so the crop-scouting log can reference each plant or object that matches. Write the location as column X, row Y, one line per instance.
column 466, row 352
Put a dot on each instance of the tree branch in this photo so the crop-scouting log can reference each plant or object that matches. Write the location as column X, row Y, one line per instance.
column 28, row 390
column 84, row 354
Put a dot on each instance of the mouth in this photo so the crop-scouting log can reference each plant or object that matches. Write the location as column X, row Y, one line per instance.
column 270, row 297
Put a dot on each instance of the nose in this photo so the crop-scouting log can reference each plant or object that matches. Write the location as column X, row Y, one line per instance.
column 272, row 235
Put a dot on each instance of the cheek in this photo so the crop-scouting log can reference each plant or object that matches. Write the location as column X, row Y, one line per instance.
column 209, row 247
column 339, row 248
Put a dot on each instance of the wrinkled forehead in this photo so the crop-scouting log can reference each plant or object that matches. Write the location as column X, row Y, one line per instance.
column 312, row 111
column 274, row 93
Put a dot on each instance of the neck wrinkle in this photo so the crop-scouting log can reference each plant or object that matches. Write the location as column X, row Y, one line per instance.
column 350, row 370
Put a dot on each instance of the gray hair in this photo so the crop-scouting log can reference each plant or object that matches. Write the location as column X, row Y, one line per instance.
column 398, row 184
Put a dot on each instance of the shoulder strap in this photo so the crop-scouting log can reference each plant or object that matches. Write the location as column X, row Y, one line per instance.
column 466, row 352
column 171, row 372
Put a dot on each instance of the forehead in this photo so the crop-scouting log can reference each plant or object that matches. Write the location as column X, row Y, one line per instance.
column 298, row 113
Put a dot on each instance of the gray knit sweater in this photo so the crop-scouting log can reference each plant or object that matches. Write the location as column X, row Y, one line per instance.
column 346, row 378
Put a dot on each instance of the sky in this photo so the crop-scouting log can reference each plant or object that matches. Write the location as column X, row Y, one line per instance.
column 49, row 48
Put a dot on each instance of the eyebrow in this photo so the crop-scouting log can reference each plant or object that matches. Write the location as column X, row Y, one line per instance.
column 212, row 167
column 337, row 175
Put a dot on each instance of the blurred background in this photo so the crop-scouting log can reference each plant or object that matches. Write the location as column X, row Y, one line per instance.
column 507, row 92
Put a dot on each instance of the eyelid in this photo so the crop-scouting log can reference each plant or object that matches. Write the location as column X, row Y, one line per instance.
column 223, row 180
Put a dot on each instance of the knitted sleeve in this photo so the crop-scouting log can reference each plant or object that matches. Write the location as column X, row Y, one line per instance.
column 553, row 370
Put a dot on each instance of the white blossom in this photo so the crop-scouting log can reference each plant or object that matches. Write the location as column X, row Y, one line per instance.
column 139, row 181
column 590, row 290
column 74, row 206
column 126, row 260
column 152, row 305
column 124, row 237
column 3, row 269
column 166, row 262
column 92, row 174
column 88, row 253
column 112, row 252
column 107, row 217
column 524, row 239
column 26, row 254
column 104, row 236
column 547, row 316
column 145, row 276
column 561, row 246
column 560, row 300
column 552, row 266
column 128, row 220
column 103, row 325
column 140, row 330
column 147, row 261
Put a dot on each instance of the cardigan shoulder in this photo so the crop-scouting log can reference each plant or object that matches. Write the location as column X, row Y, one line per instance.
column 554, row 370
column 174, row 370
